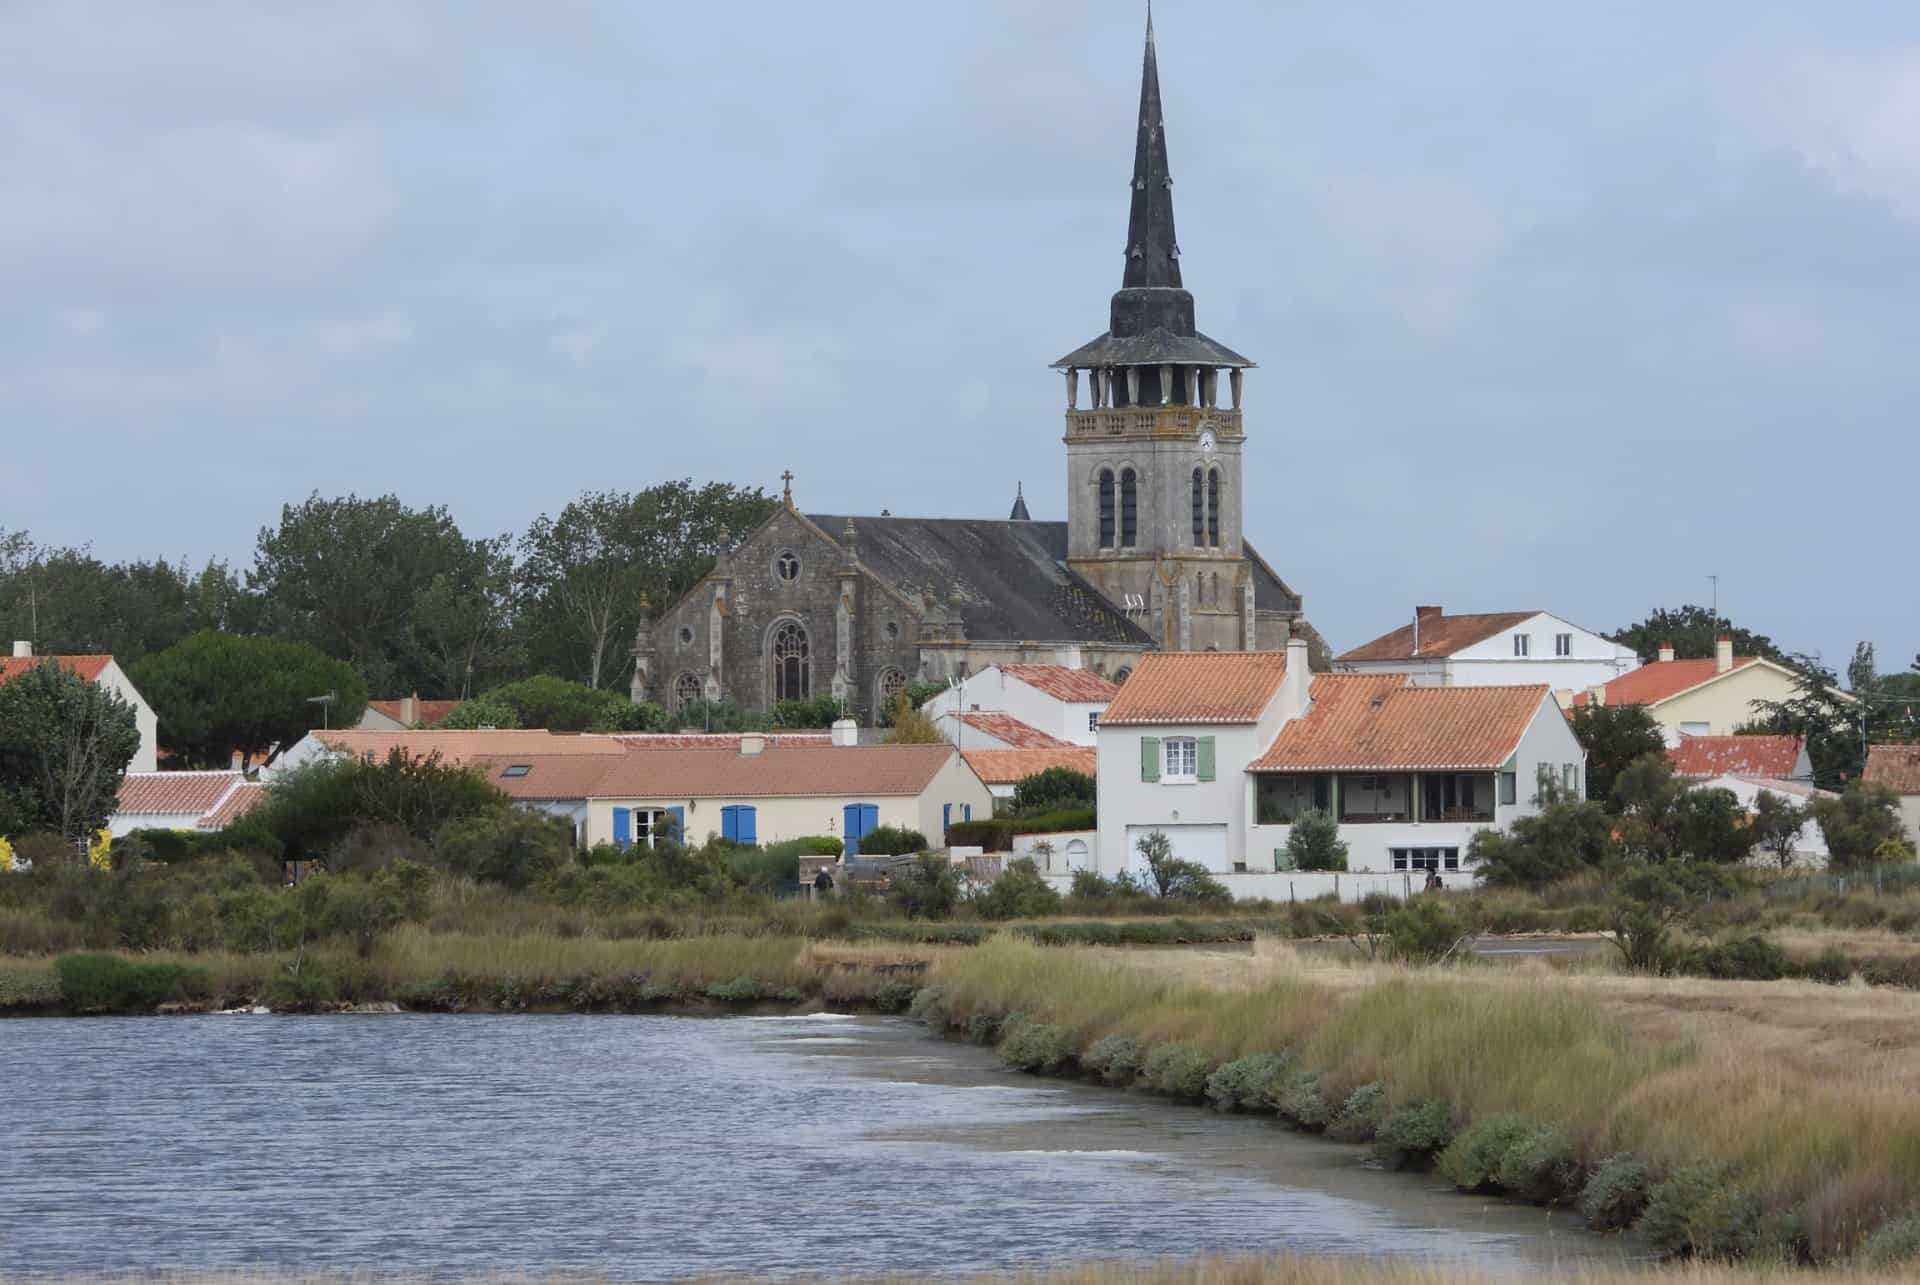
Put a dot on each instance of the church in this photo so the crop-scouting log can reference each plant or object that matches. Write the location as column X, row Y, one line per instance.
column 1150, row 557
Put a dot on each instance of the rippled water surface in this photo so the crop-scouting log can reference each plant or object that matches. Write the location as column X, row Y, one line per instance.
column 651, row 1147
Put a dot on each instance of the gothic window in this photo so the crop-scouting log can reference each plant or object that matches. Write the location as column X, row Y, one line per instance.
column 792, row 674
column 892, row 683
column 1199, row 511
column 787, row 566
column 1106, row 508
column 1213, row 508
column 686, row 691
column 1129, row 509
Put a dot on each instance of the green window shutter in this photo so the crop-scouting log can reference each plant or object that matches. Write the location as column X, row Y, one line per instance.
column 1206, row 758
column 1149, row 758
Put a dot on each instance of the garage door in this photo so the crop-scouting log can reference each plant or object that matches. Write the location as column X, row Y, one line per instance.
column 1206, row 844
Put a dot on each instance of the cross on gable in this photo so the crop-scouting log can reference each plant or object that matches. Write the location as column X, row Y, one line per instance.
column 786, row 487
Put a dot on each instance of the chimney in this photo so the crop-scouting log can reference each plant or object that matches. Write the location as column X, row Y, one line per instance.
column 1666, row 652
column 409, row 710
column 1722, row 654
column 752, row 743
column 22, row 649
column 1298, row 682
column 238, row 763
column 1596, row 695
column 846, row 732
column 1420, row 614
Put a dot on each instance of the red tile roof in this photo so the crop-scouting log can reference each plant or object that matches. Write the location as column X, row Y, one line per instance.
column 1895, row 766
column 714, row 740
column 426, row 713
column 243, row 798
column 463, row 746
column 177, row 793
column 1008, row 767
column 1197, row 687
column 546, row 776
column 1379, row 722
column 1064, row 683
column 1662, row 680
column 1010, row 731
column 1705, row 756
column 1439, row 635
column 88, row 667
column 796, row 770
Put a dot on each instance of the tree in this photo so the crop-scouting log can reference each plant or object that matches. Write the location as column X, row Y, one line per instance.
column 1175, row 879
column 346, row 575
column 1692, row 631
column 1614, row 736
column 215, row 694
column 1021, row 892
column 465, row 631
column 911, row 726
column 1564, row 838
column 1858, row 823
column 1051, row 790
column 515, row 849
column 1827, row 719
column 1776, row 827
column 66, row 601
column 1314, row 842
column 1664, row 819
column 558, row 705
column 586, row 571
column 311, row 809
column 64, row 748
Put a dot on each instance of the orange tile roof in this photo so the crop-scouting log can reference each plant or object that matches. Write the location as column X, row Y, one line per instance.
column 1704, row 756
column 1379, row 722
column 243, row 798
column 1439, row 635
column 462, row 746
column 1008, row 767
column 426, row 713
column 88, row 667
column 713, row 740
column 1662, row 680
column 1895, row 766
column 797, row 770
column 152, row 793
column 1197, row 687
column 545, row 776
column 1064, row 683
column 1010, row 731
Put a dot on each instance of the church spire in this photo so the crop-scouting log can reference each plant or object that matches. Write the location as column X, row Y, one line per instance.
column 1153, row 253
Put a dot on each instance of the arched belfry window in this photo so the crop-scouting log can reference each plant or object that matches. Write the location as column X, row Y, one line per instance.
column 792, row 672
column 1199, row 510
column 1213, row 508
column 1129, row 509
column 1106, row 508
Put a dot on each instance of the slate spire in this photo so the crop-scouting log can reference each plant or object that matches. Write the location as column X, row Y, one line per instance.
column 1153, row 253
column 1019, row 513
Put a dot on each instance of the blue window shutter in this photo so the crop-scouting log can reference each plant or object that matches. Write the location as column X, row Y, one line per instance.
column 727, row 822
column 679, row 823
column 623, row 827
column 966, row 811
column 869, row 817
column 946, row 819
column 1205, row 746
column 850, row 828
column 747, row 825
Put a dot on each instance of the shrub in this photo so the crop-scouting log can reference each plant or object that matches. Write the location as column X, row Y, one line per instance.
column 1314, row 843
column 1116, row 1059
column 1412, row 1134
column 310, row 809
column 995, row 834
column 1036, row 1046
column 1019, row 893
column 1472, row 1160
column 1540, row 1166
column 1699, row 1210
column 1301, row 1101
column 815, row 712
column 1831, row 966
column 1423, row 929
column 1360, row 1114
column 514, row 849
column 107, row 983
column 1845, row 1210
column 1247, row 1083
column 1178, row 1070
column 930, row 1006
column 927, row 889
column 1747, row 957
column 894, row 994
column 984, row 1028
column 1895, row 1244
column 891, row 841
column 740, row 990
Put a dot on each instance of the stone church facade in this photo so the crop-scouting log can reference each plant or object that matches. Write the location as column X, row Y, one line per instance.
column 1151, row 555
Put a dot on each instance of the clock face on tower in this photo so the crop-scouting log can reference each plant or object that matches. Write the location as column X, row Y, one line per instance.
column 1206, row 441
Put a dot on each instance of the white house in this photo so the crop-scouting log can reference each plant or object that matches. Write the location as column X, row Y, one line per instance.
column 1222, row 751
column 1705, row 696
column 1810, row 848
column 1020, row 707
column 106, row 672
column 182, row 801
column 1492, row 649
column 1898, row 768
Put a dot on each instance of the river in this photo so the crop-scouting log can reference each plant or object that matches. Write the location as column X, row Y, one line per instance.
column 654, row 1147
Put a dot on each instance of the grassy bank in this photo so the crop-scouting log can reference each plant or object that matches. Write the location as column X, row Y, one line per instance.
column 1347, row 1271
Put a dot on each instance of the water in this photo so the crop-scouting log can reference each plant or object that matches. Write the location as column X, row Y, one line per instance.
column 652, row 1147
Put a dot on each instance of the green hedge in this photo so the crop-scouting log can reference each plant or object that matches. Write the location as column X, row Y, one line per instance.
column 995, row 834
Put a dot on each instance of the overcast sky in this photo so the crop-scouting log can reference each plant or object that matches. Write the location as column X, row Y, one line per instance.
column 1558, row 307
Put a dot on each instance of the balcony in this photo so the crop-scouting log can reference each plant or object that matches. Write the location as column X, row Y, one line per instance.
column 1154, row 421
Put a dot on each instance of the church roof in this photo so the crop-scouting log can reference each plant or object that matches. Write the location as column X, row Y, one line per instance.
column 1003, row 580
column 1019, row 513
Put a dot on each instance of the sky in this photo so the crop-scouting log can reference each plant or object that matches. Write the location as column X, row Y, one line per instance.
column 1559, row 308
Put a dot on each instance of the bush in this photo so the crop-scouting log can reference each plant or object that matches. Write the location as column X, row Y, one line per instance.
column 1178, row 1070
column 1412, row 1134
column 1832, row 967
column 984, row 1028
column 1054, row 790
column 930, row 1006
column 1247, row 1083
column 1699, row 1210
column 110, row 984
column 1360, row 1114
column 1896, row 1244
column 1301, row 1101
column 1540, row 1167
column 892, row 841
column 559, row 705
column 814, row 712
column 1314, row 843
column 1615, row 1194
column 741, row 990
column 1747, row 957
column 1423, row 929
column 1115, row 1059
column 1019, row 893
column 1036, row 1046
column 1472, row 1160
column 995, row 834
column 311, row 809
column 514, row 849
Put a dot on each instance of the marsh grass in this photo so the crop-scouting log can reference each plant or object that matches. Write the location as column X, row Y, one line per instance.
column 1290, row 1270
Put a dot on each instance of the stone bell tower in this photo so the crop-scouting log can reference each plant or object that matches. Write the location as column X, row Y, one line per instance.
column 1153, row 459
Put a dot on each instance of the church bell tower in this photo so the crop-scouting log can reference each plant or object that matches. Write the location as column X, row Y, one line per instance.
column 1153, row 457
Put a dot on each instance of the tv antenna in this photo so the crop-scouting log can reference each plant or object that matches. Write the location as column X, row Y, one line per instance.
column 326, row 706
